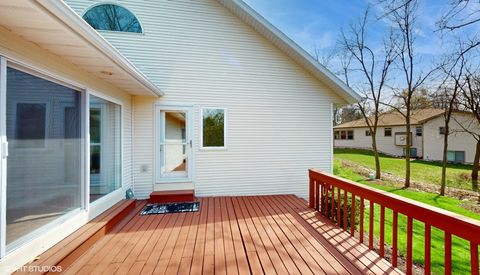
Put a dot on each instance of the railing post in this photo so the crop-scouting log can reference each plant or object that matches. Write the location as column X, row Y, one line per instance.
column 312, row 192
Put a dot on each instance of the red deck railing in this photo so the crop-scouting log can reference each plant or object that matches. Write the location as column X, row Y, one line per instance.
column 324, row 187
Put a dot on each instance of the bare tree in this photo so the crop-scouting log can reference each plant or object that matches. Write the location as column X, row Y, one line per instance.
column 373, row 66
column 449, row 92
column 403, row 15
column 471, row 94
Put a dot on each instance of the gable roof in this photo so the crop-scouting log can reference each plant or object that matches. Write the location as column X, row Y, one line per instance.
column 395, row 119
column 289, row 47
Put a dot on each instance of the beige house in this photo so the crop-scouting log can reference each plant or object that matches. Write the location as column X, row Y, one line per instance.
column 427, row 135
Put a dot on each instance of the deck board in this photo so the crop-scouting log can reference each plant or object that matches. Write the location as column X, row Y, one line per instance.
column 231, row 235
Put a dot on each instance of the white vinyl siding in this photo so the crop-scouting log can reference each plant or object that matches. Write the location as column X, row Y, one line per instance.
column 457, row 139
column 279, row 115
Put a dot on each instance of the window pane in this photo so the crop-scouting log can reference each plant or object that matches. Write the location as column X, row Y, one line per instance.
column 30, row 124
column 110, row 17
column 350, row 135
column 174, row 147
column 105, row 147
column 43, row 131
column 388, row 132
column 213, row 128
column 450, row 156
column 343, row 135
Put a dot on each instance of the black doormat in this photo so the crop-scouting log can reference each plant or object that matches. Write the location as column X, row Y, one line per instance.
column 175, row 207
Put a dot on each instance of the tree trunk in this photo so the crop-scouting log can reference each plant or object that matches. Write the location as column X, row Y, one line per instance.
column 444, row 160
column 407, row 154
column 476, row 164
column 378, row 173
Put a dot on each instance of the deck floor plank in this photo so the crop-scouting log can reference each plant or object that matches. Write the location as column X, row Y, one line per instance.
column 275, row 234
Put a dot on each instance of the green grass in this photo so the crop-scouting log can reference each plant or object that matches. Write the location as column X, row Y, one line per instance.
column 460, row 247
column 458, row 175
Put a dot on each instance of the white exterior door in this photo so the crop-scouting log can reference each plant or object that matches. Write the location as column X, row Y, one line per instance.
column 174, row 144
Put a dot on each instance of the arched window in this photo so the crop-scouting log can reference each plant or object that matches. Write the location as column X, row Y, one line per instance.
column 109, row 17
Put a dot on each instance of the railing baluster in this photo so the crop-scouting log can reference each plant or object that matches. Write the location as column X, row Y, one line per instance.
column 317, row 197
column 352, row 217
column 370, row 235
column 448, row 253
column 332, row 205
column 474, row 258
column 362, row 208
column 338, row 206
column 345, row 210
column 395, row 239
column 428, row 237
column 409, row 245
column 382, row 231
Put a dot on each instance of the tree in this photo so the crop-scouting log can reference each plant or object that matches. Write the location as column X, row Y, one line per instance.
column 374, row 67
column 471, row 95
column 403, row 15
column 449, row 91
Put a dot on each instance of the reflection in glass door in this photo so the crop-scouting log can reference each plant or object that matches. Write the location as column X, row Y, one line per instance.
column 174, row 145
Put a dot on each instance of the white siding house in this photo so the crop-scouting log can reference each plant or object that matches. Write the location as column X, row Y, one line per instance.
column 427, row 139
column 199, row 95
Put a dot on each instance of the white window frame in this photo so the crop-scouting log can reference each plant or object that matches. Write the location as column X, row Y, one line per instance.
column 225, row 130
column 189, row 126
column 3, row 156
column 97, row 205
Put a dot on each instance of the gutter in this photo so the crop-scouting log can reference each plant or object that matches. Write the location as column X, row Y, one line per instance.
column 73, row 21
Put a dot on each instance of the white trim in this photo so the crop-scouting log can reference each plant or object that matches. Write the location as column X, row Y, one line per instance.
column 122, row 109
column 189, row 129
column 331, row 137
column 70, row 18
column 225, row 130
column 3, row 163
column 86, row 150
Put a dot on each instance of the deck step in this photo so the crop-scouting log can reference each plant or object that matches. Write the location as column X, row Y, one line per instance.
column 72, row 247
column 172, row 196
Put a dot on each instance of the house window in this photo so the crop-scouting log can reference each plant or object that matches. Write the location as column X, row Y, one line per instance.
column 110, row 17
column 388, row 132
column 336, row 135
column 419, row 131
column 105, row 147
column 368, row 133
column 31, row 120
column 41, row 185
column 213, row 128
column 350, row 135
column 442, row 130
column 456, row 156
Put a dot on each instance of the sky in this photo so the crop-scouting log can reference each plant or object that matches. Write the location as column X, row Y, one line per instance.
column 317, row 24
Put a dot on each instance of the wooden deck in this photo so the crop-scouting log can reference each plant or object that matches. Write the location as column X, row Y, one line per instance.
column 230, row 235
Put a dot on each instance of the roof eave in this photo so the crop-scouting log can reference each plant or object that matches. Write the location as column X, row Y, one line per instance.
column 70, row 18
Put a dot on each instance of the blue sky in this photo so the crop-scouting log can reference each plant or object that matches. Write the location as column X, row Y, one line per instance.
column 317, row 23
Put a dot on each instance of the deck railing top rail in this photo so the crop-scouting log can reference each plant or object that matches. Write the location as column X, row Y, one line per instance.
column 453, row 223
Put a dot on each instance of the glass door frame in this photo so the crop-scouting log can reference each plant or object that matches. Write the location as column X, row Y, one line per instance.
column 159, row 123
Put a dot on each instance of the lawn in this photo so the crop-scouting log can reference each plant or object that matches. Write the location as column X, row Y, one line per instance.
column 458, row 175
column 460, row 247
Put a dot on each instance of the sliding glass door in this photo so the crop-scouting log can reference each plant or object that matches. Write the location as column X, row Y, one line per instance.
column 43, row 129
column 105, row 145
column 60, row 150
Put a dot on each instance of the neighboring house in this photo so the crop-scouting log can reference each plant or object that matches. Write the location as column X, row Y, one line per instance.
column 427, row 134
column 185, row 95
